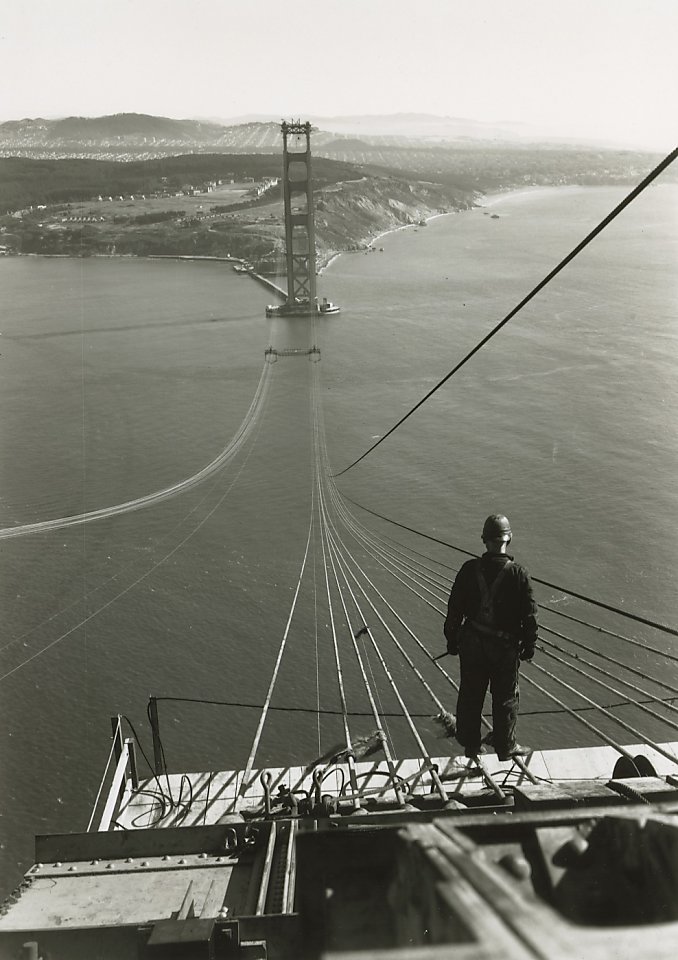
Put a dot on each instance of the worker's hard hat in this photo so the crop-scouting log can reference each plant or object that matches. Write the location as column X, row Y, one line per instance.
column 496, row 527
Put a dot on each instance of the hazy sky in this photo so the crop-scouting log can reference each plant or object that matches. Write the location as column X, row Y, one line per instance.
column 597, row 68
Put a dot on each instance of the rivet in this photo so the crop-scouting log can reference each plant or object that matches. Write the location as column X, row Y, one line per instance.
column 182, row 860
column 144, row 863
column 110, row 866
column 72, row 868
column 94, row 862
column 58, row 863
column 166, row 857
column 202, row 856
column 129, row 860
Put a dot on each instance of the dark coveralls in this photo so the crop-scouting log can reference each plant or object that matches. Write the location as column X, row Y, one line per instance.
column 491, row 623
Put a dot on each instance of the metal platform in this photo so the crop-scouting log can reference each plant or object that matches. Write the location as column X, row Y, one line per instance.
column 556, row 776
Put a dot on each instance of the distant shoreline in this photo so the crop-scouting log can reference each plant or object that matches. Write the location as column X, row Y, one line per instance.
column 483, row 200
column 487, row 200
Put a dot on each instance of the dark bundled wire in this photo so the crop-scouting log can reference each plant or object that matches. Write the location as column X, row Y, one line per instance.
column 664, row 628
column 547, row 279
column 165, row 798
column 287, row 709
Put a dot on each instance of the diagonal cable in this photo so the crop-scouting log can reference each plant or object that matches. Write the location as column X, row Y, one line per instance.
column 509, row 316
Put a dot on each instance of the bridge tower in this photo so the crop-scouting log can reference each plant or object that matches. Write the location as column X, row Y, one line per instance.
column 299, row 224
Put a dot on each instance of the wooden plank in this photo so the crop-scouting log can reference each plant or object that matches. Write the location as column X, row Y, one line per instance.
column 553, row 795
column 490, row 781
column 290, row 868
column 115, row 789
column 538, row 926
column 470, row 915
column 266, row 870
column 488, row 929
column 459, row 776
column 652, row 788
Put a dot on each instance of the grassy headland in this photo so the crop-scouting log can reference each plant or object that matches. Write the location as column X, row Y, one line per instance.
column 231, row 205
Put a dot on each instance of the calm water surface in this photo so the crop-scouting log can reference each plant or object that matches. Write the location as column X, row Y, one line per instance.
column 121, row 378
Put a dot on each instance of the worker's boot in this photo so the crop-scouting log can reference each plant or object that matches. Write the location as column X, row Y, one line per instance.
column 516, row 751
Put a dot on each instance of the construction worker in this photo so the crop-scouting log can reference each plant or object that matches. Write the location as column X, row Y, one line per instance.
column 491, row 624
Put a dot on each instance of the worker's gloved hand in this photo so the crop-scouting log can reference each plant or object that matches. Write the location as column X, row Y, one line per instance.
column 526, row 651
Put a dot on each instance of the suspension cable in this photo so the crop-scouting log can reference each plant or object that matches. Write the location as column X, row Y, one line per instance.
column 542, row 283
column 375, row 713
column 605, row 712
column 612, row 633
column 262, row 719
column 593, row 703
column 629, row 701
column 618, row 663
column 366, row 538
column 344, row 569
column 362, row 534
column 333, row 626
column 394, row 687
column 545, row 583
column 643, row 692
column 144, row 574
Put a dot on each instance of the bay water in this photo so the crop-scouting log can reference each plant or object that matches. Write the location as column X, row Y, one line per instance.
column 123, row 377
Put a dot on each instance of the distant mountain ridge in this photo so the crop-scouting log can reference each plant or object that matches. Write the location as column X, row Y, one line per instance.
column 255, row 129
column 114, row 126
column 364, row 139
column 419, row 125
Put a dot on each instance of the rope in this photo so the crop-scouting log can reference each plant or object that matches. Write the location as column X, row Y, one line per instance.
column 570, row 256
